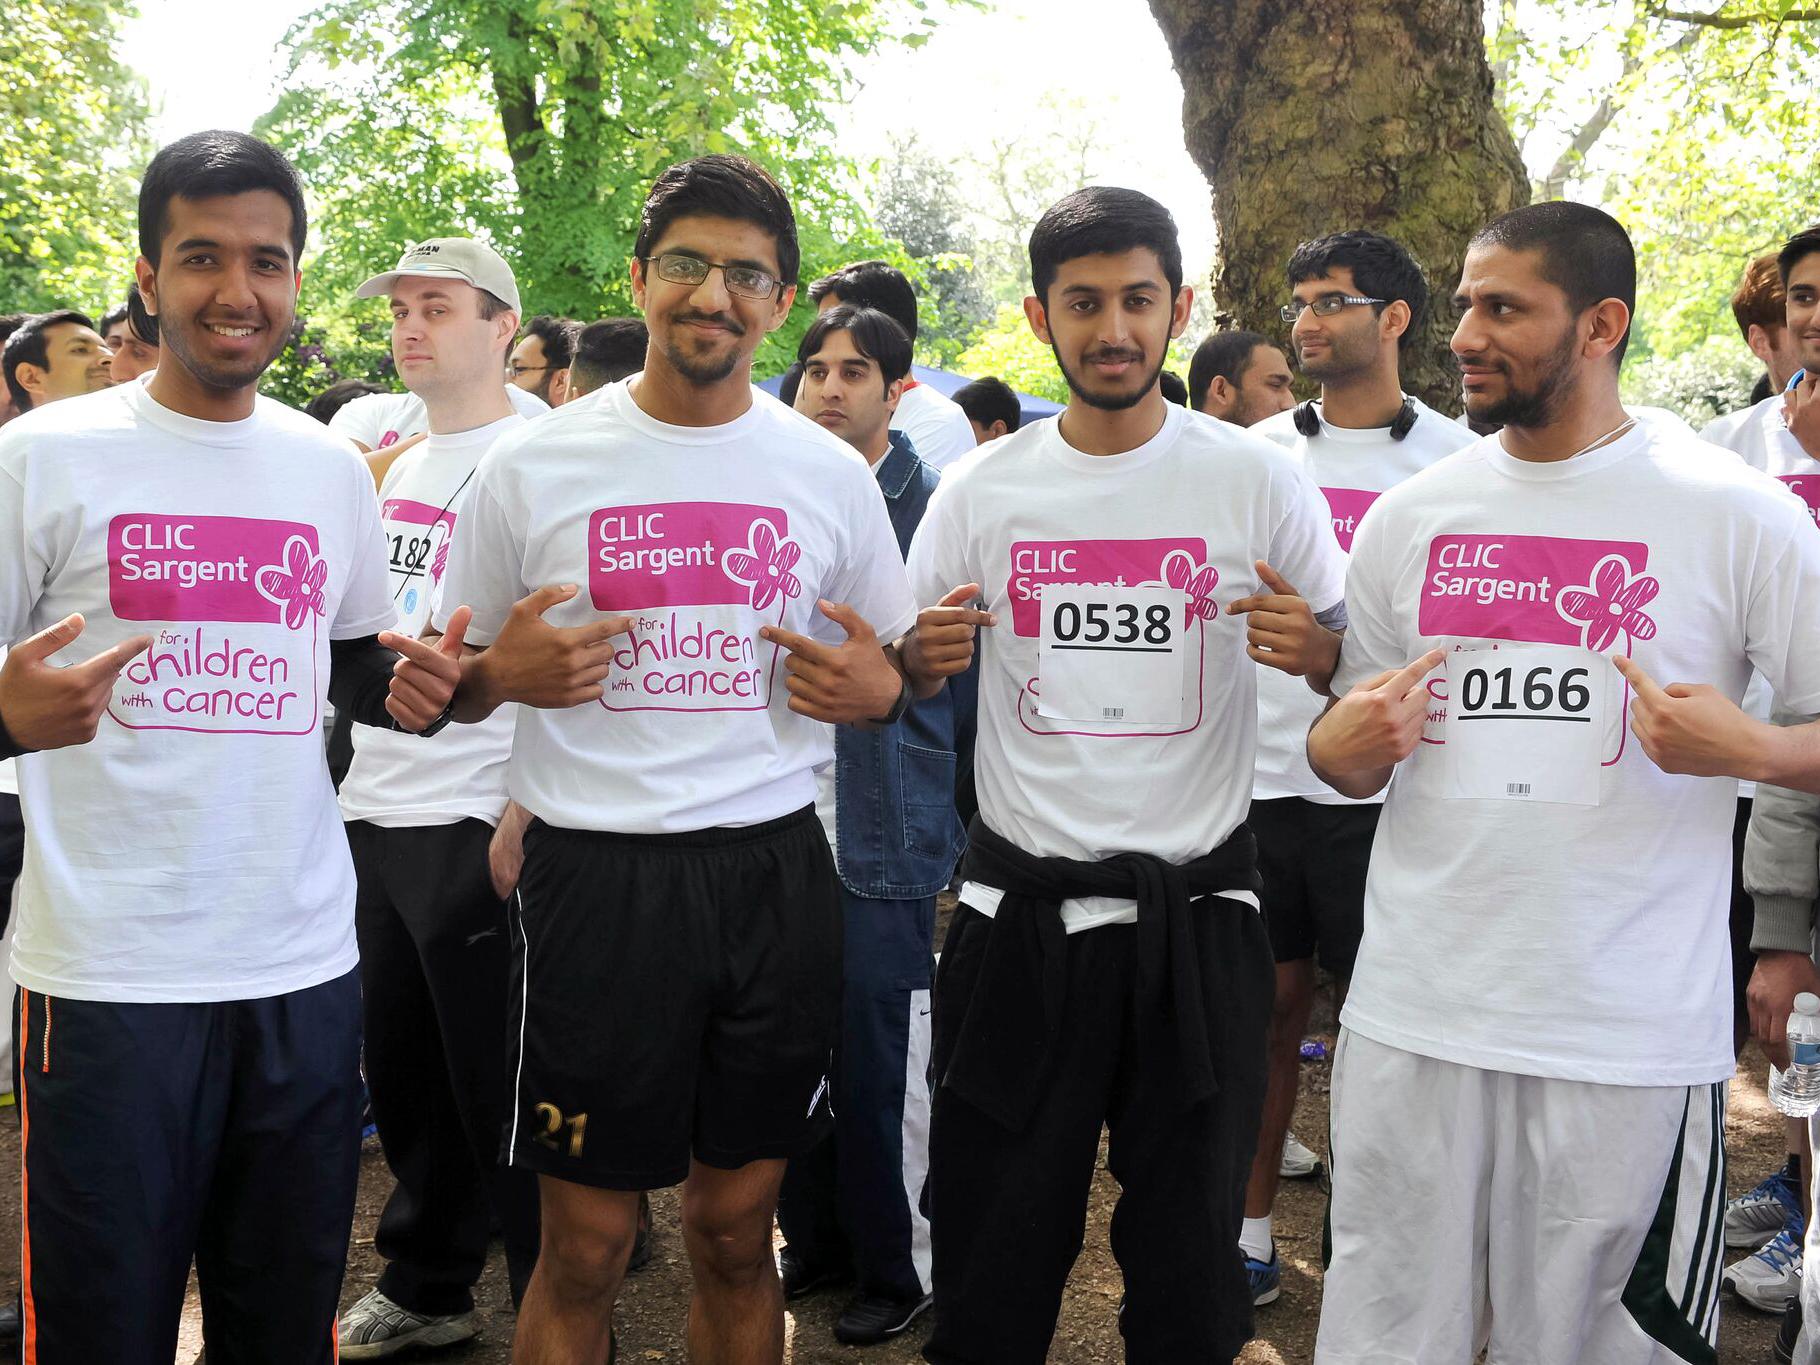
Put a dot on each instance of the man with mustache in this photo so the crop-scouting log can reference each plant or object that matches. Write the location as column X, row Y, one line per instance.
column 681, row 578
column 203, row 562
column 1108, row 965
column 1528, row 1094
column 1357, row 300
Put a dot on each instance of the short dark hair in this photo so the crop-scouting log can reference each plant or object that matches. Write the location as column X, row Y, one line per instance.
column 876, row 335
column 721, row 186
column 557, row 336
column 791, row 381
column 30, row 345
column 1759, row 300
column 204, row 165
column 1804, row 243
column 1381, row 267
column 1102, row 220
column 990, row 400
column 1225, row 354
column 140, row 323
column 871, row 284
column 606, row 352
column 1174, row 390
column 113, row 315
column 337, row 396
column 1585, row 253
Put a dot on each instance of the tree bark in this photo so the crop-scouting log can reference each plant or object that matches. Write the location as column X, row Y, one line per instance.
column 1314, row 116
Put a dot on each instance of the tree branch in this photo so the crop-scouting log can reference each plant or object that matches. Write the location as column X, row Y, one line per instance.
column 1720, row 19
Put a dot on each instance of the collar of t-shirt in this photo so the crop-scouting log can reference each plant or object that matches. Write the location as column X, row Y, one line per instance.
column 149, row 409
column 624, row 406
column 1554, row 471
column 1056, row 447
column 1364, row 436
column 446, row 443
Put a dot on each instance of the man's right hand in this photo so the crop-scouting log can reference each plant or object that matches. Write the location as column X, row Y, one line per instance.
column 1376, row 725
column 940, row 644
column 48, row 707
column 1775, row 981
column 538, row 664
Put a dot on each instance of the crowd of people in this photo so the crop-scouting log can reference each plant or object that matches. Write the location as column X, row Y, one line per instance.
column 617, row 866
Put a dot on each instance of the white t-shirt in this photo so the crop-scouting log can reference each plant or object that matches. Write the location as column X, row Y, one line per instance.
column 9, row 779
column 1189, row 511
column 399, row 780
column 702, row 535
column 1580, row 941
column 192, row 850
column 1351, row 466
column 378, row 420
column 935, row 425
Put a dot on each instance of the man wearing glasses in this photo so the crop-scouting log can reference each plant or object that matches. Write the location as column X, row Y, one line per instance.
column 680, row 578
column 540, row 362
column 1357, row 300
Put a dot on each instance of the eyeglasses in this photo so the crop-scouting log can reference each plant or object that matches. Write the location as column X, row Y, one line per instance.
column 516, row 371
column 1325, row 306
column 747, row 281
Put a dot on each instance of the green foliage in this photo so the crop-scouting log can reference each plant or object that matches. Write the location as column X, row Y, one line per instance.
column 1702, row 383
column 540, row 124
column 72, row 139
column 1010, row 350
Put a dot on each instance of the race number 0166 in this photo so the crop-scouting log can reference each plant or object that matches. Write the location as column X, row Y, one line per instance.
column 1112, row 625
column 1493, row 693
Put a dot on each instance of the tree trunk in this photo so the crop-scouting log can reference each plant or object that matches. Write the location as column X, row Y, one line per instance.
column 1314, row 116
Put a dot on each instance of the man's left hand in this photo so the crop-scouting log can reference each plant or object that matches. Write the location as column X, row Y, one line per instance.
column 842, row 684
column 1282, row 630
column 1694, row 728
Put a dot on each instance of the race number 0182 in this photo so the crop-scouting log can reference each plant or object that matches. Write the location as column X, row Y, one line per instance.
column 1487, row 693
column 1115, row 625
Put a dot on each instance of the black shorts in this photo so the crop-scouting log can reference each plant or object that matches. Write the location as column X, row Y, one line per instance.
column 675, row 995
column 1313, row 860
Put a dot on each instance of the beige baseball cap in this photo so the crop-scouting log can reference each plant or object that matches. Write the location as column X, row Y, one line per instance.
column 450, row 258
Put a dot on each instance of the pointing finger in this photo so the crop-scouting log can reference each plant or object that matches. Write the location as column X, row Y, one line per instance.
column 1275, row 581
column 1405, row 678
column 51, row 639
column 851, row 621
column 961, row 596
column 1640, row 681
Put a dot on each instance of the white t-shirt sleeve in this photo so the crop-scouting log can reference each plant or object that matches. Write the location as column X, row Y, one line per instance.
column 1303, row 549
column 366, row 607
column 938, row 551
column 20, row 569
column 1779, row 631
column 358, row 421
column 486, row 560
column 1371, row 644
column 869, row 576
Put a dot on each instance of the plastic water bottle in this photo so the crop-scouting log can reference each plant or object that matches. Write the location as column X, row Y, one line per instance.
column 1796, row 1092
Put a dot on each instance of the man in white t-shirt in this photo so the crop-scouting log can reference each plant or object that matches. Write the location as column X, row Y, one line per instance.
column 377, row 421
column 1759, row 307
column 434, row 952
column 1109, row 964
column 681, row 577
column 1357, row 300
column 205, row 563
column 934, row 422
column 1528, row 1098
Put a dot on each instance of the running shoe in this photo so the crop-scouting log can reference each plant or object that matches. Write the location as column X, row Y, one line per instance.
column 1754, row 1218
column 871, row 1318
column 376, row 1328
column 1298, row 1161
column 1788, row 1333
column 1266, row 1279
column 1770, row 1278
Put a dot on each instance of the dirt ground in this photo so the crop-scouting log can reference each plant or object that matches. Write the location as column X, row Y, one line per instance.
column 651, row 1311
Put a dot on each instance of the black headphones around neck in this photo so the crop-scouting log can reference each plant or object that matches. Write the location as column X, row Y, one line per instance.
column 1308, row 421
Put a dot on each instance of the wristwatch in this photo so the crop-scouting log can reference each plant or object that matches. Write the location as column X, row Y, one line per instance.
column 898, row 707
column 441, row 722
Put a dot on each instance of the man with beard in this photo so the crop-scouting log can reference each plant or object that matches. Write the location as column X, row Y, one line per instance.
column 715, row 563
column 132, row 336
column 1109, row 964
column 1528, row 1095
column 204, row 561
column 1239, row 377
column 1357, row 301
column 539, row 364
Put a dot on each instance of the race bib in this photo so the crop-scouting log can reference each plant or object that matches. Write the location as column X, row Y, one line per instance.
column 1526, row 724
column 1112, row 655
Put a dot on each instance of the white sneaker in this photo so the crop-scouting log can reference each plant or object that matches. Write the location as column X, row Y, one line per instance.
column 376, row 1328
column 1298, row 1161
column 1769, row 1279
column 1755, row 1217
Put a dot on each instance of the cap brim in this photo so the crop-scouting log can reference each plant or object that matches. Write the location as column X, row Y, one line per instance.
column 381, row 285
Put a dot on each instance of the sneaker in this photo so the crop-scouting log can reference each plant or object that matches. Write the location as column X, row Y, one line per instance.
column 1788, row 1333
column 1754, row 1218
column 1266, row 1279
column 801, row 1276
column 1769, row 1279
column 871, row 1318
column 1298, row 1161
column 376, row 1328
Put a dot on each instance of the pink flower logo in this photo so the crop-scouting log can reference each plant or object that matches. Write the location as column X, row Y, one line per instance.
column 1198, row 581
column 1611, row 604
column 296, row 584
column 765, row 564
column 439, row 561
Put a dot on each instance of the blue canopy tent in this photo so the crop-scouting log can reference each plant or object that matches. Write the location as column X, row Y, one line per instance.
column 946, row 382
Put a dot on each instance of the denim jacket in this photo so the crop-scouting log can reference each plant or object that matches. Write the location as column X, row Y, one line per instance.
column 899, row 835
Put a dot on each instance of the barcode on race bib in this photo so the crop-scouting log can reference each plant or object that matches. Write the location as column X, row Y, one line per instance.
column 1516, row 789
column 1112, row 713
